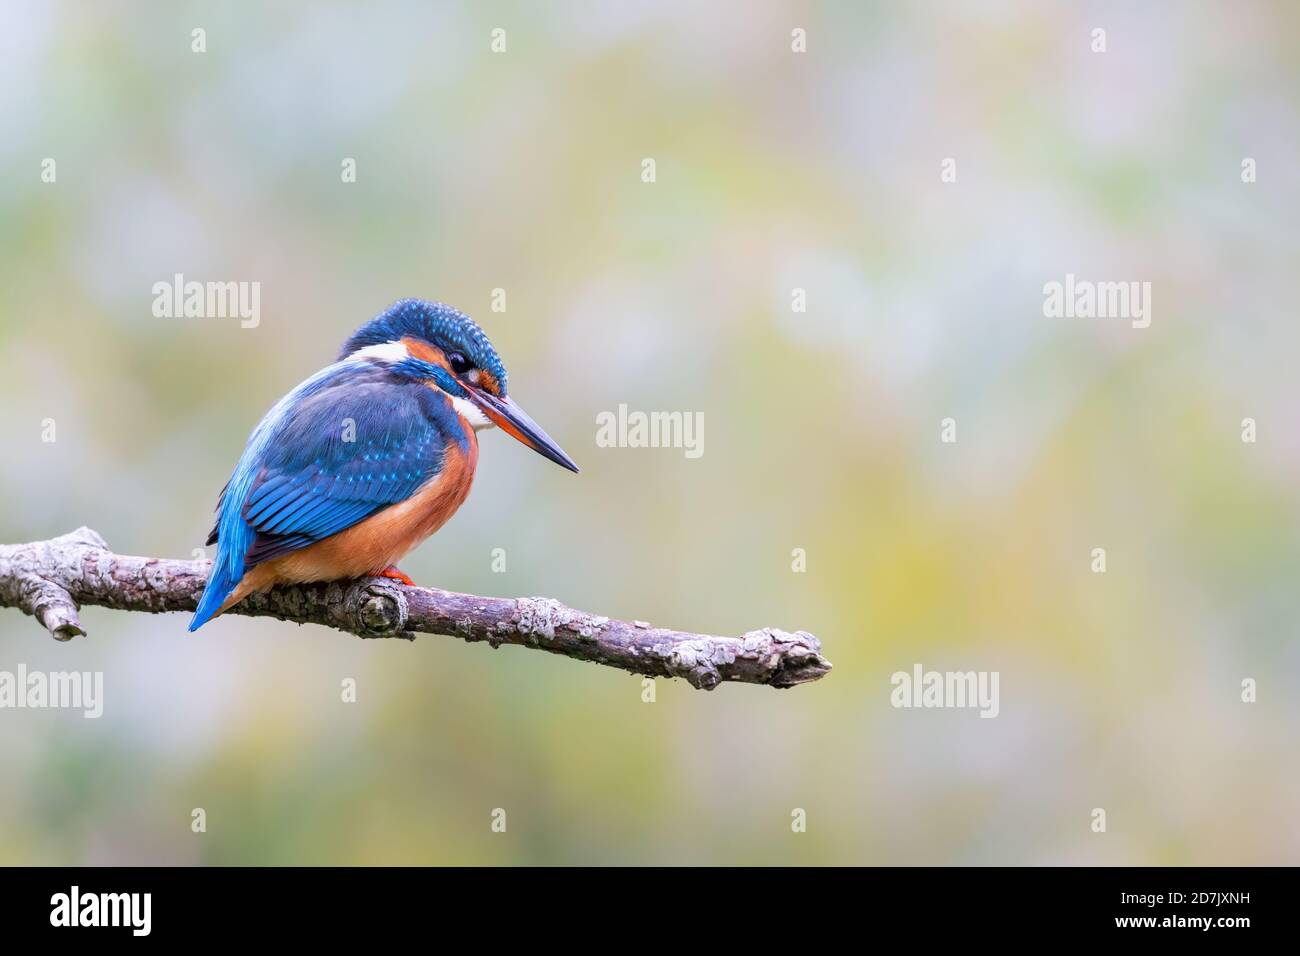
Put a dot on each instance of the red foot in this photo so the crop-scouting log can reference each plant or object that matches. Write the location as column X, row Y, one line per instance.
column 392, row 572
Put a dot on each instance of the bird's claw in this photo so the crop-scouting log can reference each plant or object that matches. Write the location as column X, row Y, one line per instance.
column 392, row 572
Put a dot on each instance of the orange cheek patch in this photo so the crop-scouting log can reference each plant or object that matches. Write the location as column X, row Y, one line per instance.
column 488, row 382
column 426, row 352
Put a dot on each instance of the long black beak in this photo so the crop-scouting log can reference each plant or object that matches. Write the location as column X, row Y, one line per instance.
column 514, row 421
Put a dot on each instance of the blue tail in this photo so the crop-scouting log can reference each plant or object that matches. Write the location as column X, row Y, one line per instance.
column 219, row 587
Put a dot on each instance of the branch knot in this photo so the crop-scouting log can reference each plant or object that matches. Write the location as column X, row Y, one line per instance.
column 380, row 610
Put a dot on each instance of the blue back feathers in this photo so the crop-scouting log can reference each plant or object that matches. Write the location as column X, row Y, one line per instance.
column 443, row 326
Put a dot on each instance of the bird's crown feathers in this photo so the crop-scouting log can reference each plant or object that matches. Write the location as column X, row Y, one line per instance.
column 433, row 322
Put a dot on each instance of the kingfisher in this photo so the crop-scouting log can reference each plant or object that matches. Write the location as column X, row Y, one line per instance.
column 365, row 459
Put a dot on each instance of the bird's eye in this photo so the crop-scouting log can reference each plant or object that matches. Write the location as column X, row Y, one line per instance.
column 459, row 364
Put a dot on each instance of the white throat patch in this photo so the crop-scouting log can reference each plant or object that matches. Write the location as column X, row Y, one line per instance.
column 471, row 413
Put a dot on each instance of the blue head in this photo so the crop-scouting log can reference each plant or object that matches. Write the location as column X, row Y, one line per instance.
column 452, row 333
column 446, row 350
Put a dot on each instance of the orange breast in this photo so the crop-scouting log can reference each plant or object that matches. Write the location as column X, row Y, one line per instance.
column 379, row 541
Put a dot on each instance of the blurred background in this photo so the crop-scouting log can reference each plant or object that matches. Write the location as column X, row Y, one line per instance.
column 775, row 170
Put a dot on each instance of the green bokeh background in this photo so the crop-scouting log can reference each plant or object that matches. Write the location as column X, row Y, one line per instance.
column 775, row 171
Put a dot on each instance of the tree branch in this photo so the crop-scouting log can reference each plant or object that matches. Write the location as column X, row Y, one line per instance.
column 51, row 580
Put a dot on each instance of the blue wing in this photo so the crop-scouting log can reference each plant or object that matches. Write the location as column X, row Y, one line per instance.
column 347, row 443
